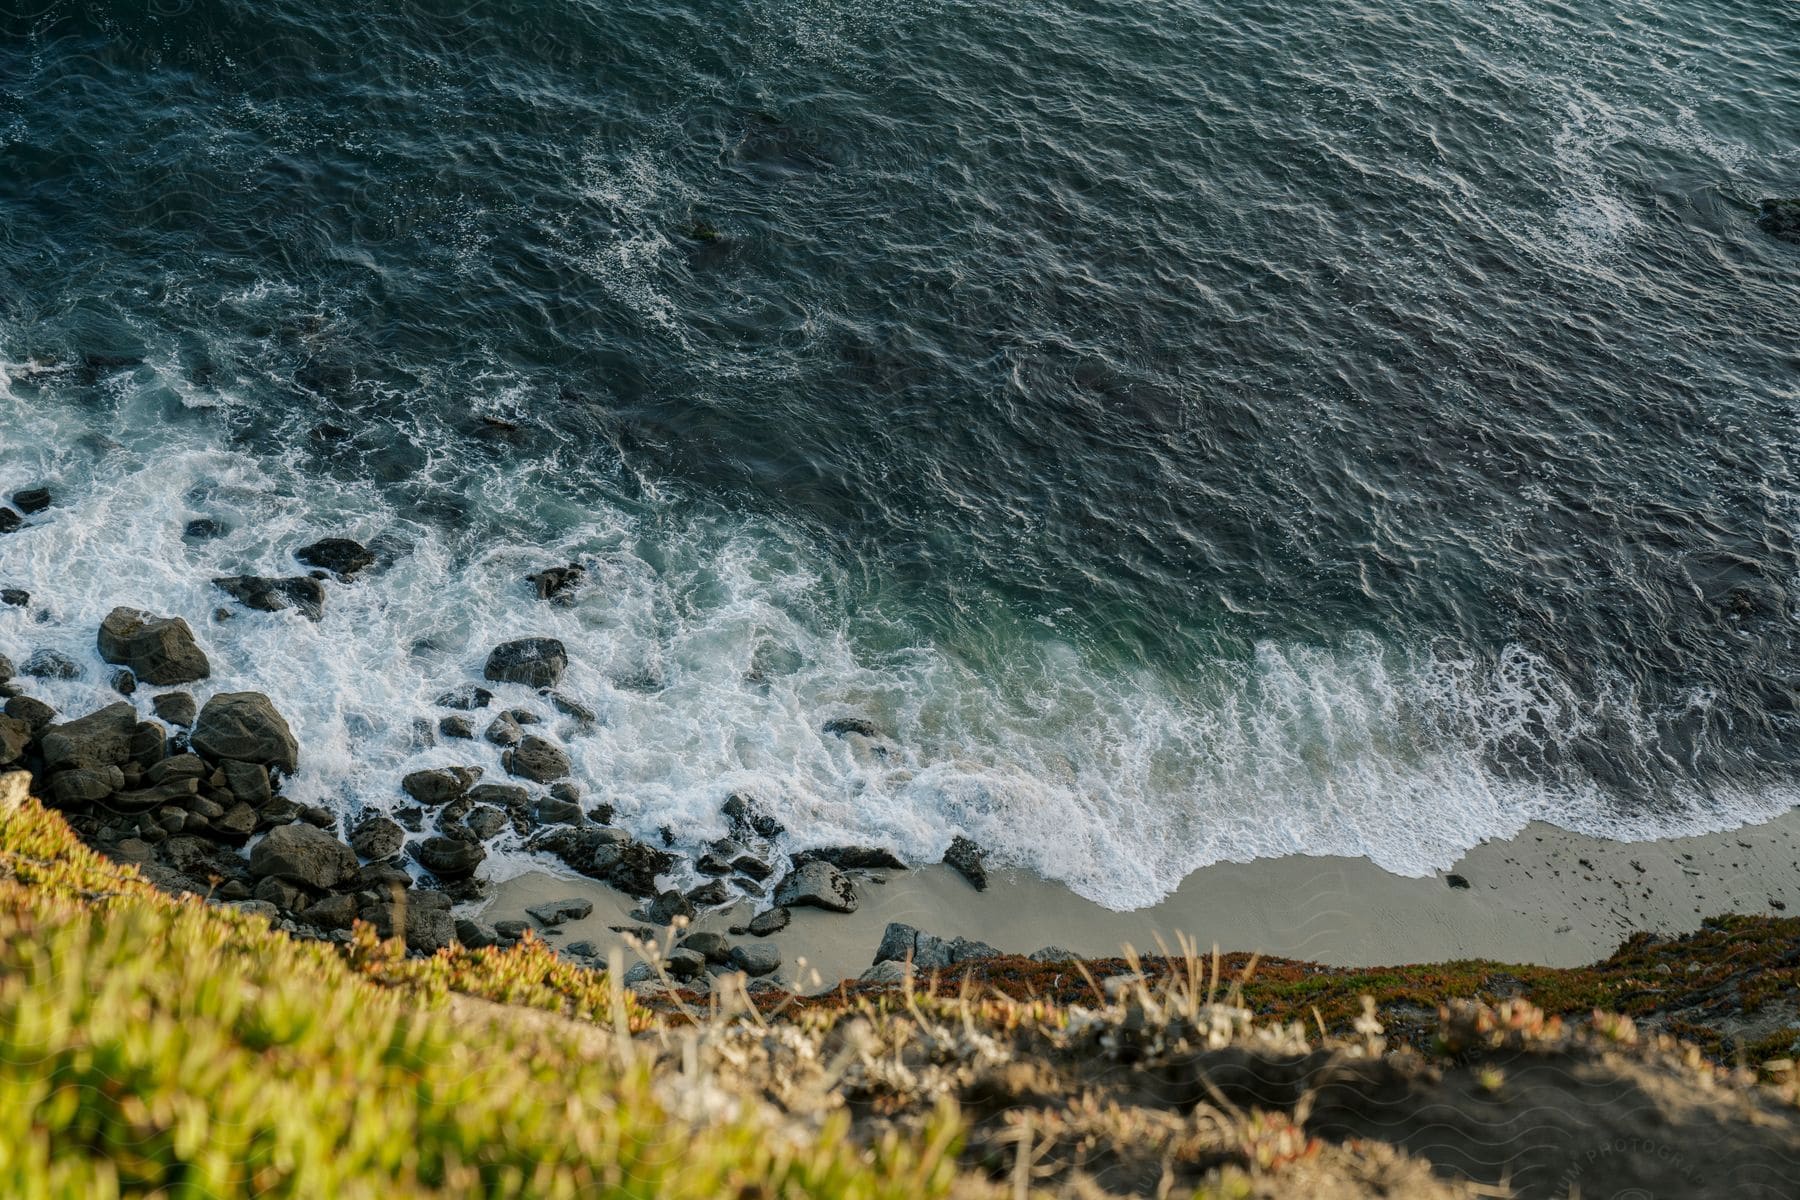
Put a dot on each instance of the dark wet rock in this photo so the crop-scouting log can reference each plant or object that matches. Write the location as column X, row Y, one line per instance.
column 236, row 824
column 773, row 921
column 173, row 791
column 302, row 593
column 16, row 598
column 568, row 793
column 203, row 529
column 15, row 736
column 340, row 556
column 177, row 767
column 465, row 698
column 82, row 787
column 158, row 650
column 684, row 964
column 51, row 664
column 606, row 854
column 10, row 521
column 718, row 856
column 440, row 785
column 283, row 894
column 535, row 662
column 249, row 782
column 99, row 739
column 456, row 727
column 752, row 866
column 31, row 500
column 149, row 745
column 582, row 949
column 756, row 959
column 200, row 859
column 29, row 709
column 484, row 821
column 537, row 760
column 839, row 726
column 123, row 681
column 710, row 894
column 502, row 795
column 817, row 885
column 1456, row 881
column 710, row 946
column 511, row 931
column 318, row 818
column 558, row 584
column 666, row 907
column 177, row 708
column 748, row 817
column 966, row 857
column 853, row 858
column 450, row 858
column 377, row 837
column 7, row 670
column 569, row 707
column 333, row 912
column 245, row 727
column 551, row 811
column 1778, row 218
column 504, row 731
column 380, row 877
column 927, row 952
column 475, row 934
column 426, row 924
column 303, row 854
column 556, row 912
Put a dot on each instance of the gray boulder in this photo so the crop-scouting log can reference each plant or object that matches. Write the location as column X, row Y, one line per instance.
column 440, row 785
column 32, row 711
column 82, row 787
column 928, row 952
column 773, row 921
column 177, row 708
column 817, row 885
column 537, row 760
column 15, row 736
column 555, row 912
column 450, row 858
column 427, row 924
column 377, row 837
column 756, row 959
column 713, row 947
column 886, row 973
column 685, row 964
column 244, row 727
column 474, row 934
column 484, row 821
column 1053, row 954
column 158, row 650
column 100, row 739
column 249, row 782
column 534, row 662
column 303, row 854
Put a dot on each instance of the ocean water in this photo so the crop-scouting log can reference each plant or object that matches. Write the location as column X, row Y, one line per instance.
column 1189, row 431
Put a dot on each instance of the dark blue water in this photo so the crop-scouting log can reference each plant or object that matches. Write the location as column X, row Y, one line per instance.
column 1188, row 430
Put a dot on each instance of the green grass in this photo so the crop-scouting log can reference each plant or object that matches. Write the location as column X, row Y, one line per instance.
column 155, row 1046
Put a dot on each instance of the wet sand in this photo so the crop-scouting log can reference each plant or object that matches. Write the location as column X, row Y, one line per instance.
column 1546, row 896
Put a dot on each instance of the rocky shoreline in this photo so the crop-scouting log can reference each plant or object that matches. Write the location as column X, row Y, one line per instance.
column 192, row 794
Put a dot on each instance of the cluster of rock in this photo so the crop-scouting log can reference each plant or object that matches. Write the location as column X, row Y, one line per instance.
column 905, row 949
column 335, row 558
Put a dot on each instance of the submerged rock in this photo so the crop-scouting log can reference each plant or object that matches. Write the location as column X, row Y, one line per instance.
column 748, row 817
column 340, row 556
column 839, row 726
column 1779, row 218
column 245, row 727
column 536, row 662
column 203, row 529
column 51, row 664
column 558, row 584
column 10, row 521
column 299, row 592
column 465, row 698
column 32, row 500
column 15, row 597
column 158, row 650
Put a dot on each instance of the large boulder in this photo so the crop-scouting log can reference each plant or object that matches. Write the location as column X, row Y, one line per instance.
column 244, row 727
column 439, row 785
column 300, row 592
column 927, row 952
column 15, row 736
column 817, row 885
column 340, row 556
column 77, row 789
column 537, row 760
column 159, row 650
column 450, row 858
column 426, row 924
column 756, row 959
column 558, row 584
column 299, row 853
column 850, row 858
column 534, row 662
column 100, row 739
column 177, row 708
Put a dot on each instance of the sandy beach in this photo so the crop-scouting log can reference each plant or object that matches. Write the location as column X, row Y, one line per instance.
column 1545, row 896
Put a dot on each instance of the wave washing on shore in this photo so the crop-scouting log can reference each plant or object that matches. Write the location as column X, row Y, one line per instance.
column 1368, row 462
